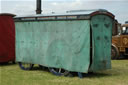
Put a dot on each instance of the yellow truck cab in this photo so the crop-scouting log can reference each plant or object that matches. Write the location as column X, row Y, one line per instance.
column 120, row 40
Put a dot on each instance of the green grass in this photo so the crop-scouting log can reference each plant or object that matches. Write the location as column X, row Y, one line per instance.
column 13, row 75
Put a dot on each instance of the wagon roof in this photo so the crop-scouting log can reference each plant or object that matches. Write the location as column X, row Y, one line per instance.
column 72, row 13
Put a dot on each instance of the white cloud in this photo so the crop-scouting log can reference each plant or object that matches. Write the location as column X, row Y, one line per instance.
column 72, row 5
column 24, row 9
column 54, row 3
column 0, row 6
column 117, row 7
column 19, row 7
column 16, row 0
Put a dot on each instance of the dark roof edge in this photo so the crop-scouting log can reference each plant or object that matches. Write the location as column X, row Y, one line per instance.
column 7, row 14
column 104, row 13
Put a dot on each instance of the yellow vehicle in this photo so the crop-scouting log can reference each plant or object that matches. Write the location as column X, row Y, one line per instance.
column 120, row 40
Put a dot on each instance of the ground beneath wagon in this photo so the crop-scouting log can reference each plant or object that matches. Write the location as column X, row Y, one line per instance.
column 11, row 74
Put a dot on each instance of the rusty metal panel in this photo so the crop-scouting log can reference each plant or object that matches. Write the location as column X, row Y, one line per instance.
column 60, row 44
column 101, row 42
column 122, row 49
column 124, row 41
column 116, row 40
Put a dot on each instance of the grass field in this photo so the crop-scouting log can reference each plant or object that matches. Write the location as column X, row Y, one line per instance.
column 12, row 75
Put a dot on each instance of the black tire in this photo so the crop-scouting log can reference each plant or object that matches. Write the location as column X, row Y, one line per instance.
column 42, row 67
column 25, row 66
column 114, row 53
column 58, row 71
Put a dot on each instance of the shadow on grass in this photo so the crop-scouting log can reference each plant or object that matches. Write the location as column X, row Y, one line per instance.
column 125, row 57
column 109, row 73
column 40, row 68
column 96, row 75
column 74, row 74
column 91, row 75
column 7, row 64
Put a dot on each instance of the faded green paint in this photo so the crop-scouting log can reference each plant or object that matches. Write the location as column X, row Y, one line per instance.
column 101, row 42
column 60, row 44
column 66, row 44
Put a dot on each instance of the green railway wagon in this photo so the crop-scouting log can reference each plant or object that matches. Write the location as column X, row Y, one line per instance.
column 71, row 42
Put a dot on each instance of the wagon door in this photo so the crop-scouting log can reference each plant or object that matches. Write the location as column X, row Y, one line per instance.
column 101, row 42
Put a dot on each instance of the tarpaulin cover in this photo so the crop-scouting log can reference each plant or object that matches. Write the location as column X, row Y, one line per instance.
column 7, row 39
column 60, row 44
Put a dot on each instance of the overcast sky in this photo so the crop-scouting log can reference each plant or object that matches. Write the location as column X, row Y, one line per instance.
column 25, row 7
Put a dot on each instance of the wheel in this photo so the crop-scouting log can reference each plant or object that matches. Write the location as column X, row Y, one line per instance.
column 42, row 67
column 58, row 71
column 80, row 75
column 26, row 66
column 114, row 53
